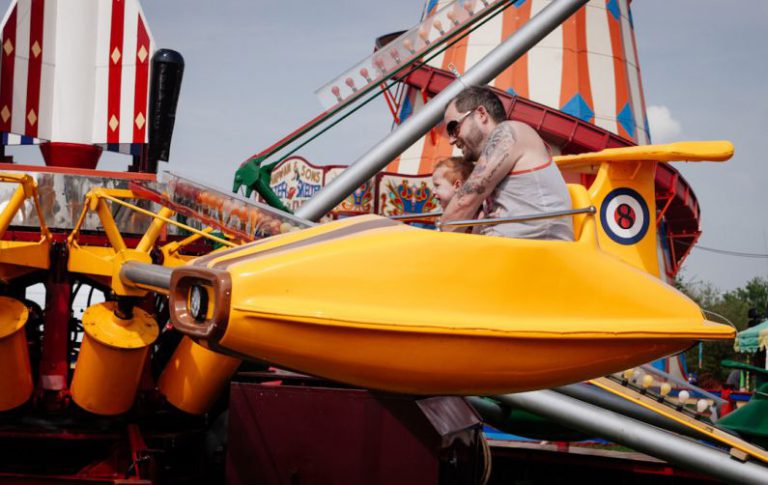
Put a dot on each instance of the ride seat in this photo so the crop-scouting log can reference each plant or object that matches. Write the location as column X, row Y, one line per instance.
column 584, row 229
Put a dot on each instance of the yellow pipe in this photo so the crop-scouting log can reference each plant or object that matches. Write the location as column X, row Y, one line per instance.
column 111, row 359
column 195, row 376
column 6, row 216
column 110, row 227
column 15, row 371
column 175, row 246
column 146, row 243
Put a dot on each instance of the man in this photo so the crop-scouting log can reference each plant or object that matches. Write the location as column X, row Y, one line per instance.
column 514, row 174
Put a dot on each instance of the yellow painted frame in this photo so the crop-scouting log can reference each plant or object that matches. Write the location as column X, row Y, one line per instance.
column 21, row 257
column 105, row 263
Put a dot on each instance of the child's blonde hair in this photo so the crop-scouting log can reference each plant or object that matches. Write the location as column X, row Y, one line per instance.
column 456, row 168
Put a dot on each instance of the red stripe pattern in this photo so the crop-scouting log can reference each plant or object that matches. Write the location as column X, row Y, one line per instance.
column 34, row 71
column 115, row 71
column 6, row 78
column 142, row 83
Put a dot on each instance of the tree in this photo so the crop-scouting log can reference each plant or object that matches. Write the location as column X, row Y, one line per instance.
column 732, row 306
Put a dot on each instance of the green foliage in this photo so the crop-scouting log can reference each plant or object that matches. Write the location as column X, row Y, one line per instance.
column 732, row 306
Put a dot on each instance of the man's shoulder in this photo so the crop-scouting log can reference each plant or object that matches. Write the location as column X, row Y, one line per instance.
column 517, row 125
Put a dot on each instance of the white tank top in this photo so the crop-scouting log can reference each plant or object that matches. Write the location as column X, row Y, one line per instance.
column 540, row 189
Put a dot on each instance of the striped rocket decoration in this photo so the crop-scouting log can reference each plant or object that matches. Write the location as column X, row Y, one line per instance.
column 587, row 67
column 75, row 71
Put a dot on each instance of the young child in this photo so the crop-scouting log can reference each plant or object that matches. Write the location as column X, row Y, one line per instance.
column 449, row 176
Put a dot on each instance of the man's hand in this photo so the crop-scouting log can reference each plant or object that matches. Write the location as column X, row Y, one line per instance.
column 495, row 163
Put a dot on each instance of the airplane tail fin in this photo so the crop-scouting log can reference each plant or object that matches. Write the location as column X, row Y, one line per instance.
column 624, row 193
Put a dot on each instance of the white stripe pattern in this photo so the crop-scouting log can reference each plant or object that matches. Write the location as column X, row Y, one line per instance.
column 101, row 62
column 128, row 81
column 46, row 111
column 483, row 40
column 21, row 66
column 600, row 58
column 545, row 64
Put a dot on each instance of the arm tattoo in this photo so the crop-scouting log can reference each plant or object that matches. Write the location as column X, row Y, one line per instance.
column 497, row 150
column 501, row 140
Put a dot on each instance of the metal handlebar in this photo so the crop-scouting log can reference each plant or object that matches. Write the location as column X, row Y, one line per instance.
column 408, row 217
column 524, row 218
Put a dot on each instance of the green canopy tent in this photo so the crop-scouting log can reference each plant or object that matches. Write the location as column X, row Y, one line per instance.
column 752, row 339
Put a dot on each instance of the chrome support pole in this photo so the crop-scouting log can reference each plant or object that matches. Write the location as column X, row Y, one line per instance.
column 637, row 435
column 146, row 276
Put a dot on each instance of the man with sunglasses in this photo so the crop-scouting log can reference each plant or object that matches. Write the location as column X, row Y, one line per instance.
column 514, row 174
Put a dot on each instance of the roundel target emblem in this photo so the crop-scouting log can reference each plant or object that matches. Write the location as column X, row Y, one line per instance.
column 624, row 216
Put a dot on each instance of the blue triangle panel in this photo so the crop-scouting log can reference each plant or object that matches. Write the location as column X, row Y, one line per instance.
column 613, row 7
column 627, row 119
column 579, row 108
column 431, row 5
column 407, row 109
column 511, row 91
column 519, row 3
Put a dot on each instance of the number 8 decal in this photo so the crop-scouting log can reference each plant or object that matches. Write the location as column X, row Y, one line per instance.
column 624, row 216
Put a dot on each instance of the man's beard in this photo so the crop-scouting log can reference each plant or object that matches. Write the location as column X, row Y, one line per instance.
column 470, row 154
column 473, row 145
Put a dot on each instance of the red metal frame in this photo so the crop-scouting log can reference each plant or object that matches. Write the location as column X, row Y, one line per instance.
column 54, row 361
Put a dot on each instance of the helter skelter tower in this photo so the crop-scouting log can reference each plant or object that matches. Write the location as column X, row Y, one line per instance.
column 587, row 67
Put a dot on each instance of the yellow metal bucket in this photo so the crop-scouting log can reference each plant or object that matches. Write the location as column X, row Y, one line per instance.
column 111, row 359
column 15, row 371
column 195, row 376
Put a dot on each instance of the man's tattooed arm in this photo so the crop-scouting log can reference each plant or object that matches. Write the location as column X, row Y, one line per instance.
column 494, row 164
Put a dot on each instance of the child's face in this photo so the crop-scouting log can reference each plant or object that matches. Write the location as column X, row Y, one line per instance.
column 444, row 188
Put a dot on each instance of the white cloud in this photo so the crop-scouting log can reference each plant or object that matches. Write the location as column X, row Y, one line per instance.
column 664, row 128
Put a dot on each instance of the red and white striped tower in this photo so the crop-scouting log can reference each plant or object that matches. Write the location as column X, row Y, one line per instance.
column 74, row 77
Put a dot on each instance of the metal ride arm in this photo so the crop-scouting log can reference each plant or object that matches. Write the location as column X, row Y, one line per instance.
column 421, row 122
column 636, row 435
column 15, row 253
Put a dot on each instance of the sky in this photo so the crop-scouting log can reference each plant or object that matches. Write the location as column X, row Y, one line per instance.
column 252, row 68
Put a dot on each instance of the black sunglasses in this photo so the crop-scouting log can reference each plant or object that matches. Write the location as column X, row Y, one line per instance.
column 453, row 127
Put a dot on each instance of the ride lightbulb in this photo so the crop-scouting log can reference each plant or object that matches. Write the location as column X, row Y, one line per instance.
column 198, row 303
column 666, row 388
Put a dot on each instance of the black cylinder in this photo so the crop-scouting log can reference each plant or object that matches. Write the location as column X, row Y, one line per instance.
column 165, row 85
